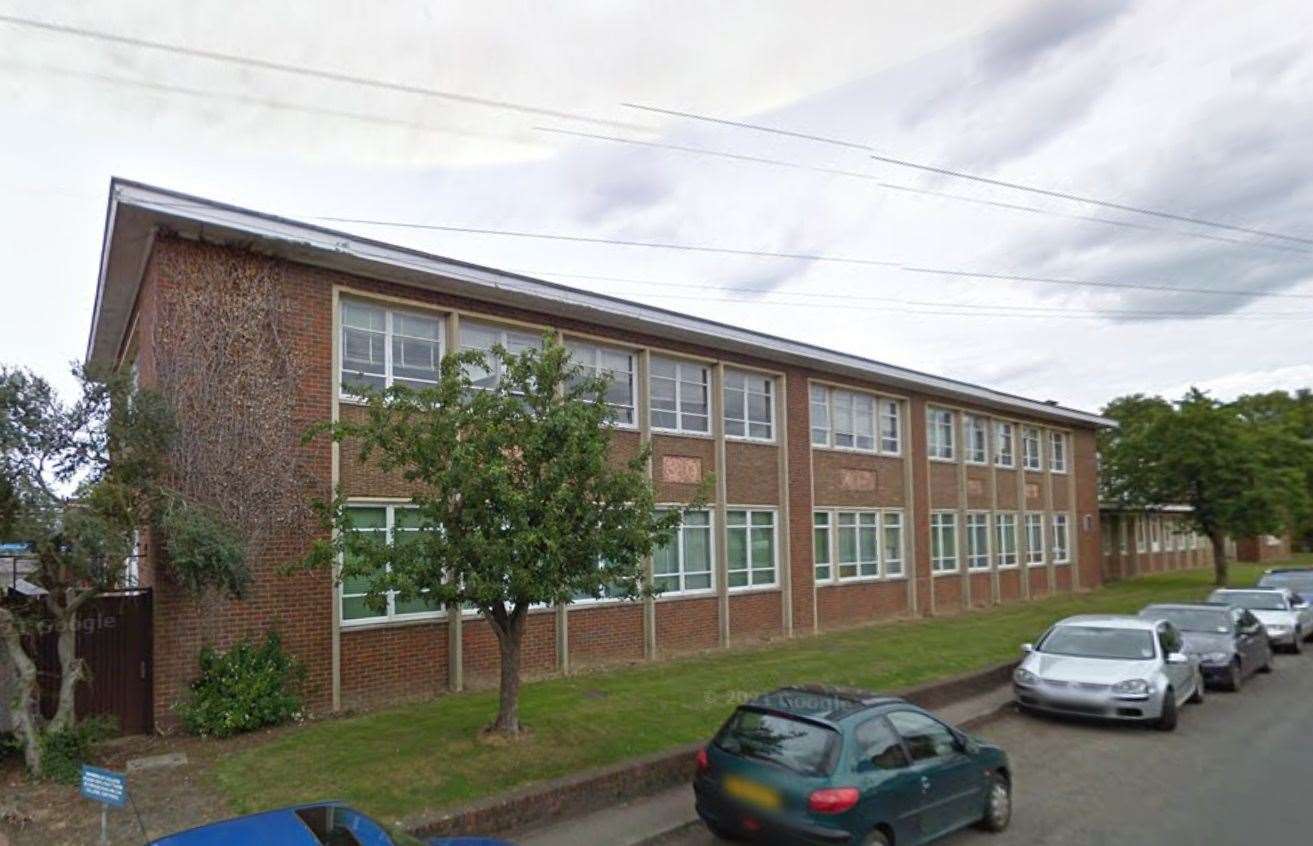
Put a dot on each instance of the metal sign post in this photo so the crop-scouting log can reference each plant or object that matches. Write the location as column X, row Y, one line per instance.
column 109, row 789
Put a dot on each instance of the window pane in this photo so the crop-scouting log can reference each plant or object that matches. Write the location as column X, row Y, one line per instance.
column 759, row 408
column 368, row 518
column 418, row 605
column 665, row 558
column 736, row 548
column 697, row 549
column 697, row 581
column 763, row 548
column 354, row 608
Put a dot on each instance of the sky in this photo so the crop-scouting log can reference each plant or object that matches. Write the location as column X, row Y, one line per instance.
column 1198, row 109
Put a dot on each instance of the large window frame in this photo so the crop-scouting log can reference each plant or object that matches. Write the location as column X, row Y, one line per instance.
column 592, row 357
column 390, row 336
column 941, row 433
column 979, row 548
column 681, row 575
column 822, row 559
column 682, row 416
column 975, row 439
column 751, row 523
column 944, row 542
column 869, row 423
column 1061, row 524
column 1005, row 531
column 514, row 339
column 1005, row 444
column 1058, row 452
column 1032, row 459
column 736, row 404
column 389, row 530
column 1033, row 523
column 858, row 545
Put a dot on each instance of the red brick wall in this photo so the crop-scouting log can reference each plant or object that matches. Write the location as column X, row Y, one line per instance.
column 755, row 615
column 802, row 575
column 481, row 656
column 860, row 602
column 607, row 633
column 378, row 664
column 1009, row 585
column 752, row 474
column 685, row 625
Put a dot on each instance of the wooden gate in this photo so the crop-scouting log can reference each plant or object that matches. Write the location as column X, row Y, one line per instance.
column 114, row 638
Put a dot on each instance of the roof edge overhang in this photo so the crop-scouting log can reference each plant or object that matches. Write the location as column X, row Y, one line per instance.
column 137, row 211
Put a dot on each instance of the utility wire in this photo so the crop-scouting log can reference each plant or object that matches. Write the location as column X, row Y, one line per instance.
column 985, row 180
column 301, row 70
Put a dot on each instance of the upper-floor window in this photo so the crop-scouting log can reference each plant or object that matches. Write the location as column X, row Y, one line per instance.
column 943, row 541
column 1030, row 448
column 1004, row 444
column 683, row 563
column 977, row 438
column 1058, row 452
column 476, row 335
column 680, row 397
column 855, row 420
column 749, row 405
column 614, row 365
column 392, row 524
column 750, row 547
column 939, row 433
column 385, row 346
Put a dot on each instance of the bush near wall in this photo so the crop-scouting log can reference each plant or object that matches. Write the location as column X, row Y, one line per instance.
column 250, row 686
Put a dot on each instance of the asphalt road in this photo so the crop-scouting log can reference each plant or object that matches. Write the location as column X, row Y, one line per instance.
column 1237, row 770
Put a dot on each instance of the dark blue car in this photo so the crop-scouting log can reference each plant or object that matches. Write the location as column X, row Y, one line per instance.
column 320, row 824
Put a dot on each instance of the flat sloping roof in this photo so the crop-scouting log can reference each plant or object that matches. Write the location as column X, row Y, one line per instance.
column 136, row 211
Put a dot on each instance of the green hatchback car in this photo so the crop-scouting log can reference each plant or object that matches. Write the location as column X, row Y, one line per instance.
column 827, row 765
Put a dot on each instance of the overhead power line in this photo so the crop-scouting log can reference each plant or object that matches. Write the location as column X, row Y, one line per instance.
column 311, row 72
column 985, row 180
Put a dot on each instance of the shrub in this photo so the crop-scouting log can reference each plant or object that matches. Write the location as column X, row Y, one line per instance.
column 64, row 752
column 249, row 686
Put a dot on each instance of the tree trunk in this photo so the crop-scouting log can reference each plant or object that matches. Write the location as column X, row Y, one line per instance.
column 25, row 702
column 72, row 669
column 510, row 632
column 1219, row 558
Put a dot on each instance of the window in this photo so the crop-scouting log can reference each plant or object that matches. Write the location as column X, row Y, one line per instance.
column 977, row 438
column 392, row 523
column 977, row 531
column 749, row 405
column 1155, row 534
column 1030, row 448
column 859, row 546
column 1058, row 452
column 821, row 545
column 939, row 433
column 475, row 335
column 1004, row 442
column 892, row 547
column 1061, row 539
column 679, row 395
column 382, row 347
column 1140, row 543
column 820, row 402
column 876, row 742
column 848, row 420
column 926, row 738
column 683, row 563
column 1034, row 539
column 891, row 428
column 615, row 365
column 853, row 420
column 1005, row 532
column 943, row 541
column 750, row 548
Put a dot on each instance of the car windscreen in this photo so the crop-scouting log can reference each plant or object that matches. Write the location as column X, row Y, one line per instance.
column 1298, row 582
column 1096, row 642
column 1254, row 600
column 801, row 746
column 1211, row 620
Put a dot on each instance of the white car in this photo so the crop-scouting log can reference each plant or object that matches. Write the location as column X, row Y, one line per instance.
column 1112, row 666
column 1288, row 619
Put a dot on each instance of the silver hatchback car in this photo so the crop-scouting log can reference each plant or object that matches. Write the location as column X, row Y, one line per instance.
column 1113, row 666
column 1286, row 616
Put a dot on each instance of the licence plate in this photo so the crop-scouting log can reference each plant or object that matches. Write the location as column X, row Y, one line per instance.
column 752, row 793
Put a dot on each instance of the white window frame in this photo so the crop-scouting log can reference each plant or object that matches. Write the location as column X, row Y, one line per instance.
column 771, row 394
column 390, row 616
column 1031, row 435
column 595, row 367
column 978, row 559
column 1033, row 524
column 1061, row 531
column 1004, row 458
column 1058, row 452
column 504, row 332
column 884, row 409
column 940, row 423
column 859, row 523
column 389, row 312
column 684, row 572
column 892, row 565
column 940, row 523
column 888, row 409
column 823, row 521
column 890, row 559
column 1155, row 534
column 679, row 427
column 1007, row 560
column 1141, row 534
column 747, row 529
column 974, row 427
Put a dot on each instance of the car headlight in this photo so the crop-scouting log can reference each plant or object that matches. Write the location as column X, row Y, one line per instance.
column 1215, row 658
column 1132, row 687
column 1025, row 677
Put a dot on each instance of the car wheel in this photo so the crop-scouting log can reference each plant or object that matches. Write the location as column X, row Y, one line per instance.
column 1197, row 698
column 876, row 838
column 1167, row 719
column 998, row 804
column 1235, row 677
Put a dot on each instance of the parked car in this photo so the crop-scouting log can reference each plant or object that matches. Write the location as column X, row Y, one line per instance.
column 1111, row 666
column 1296, row 579
column 1229, row 642
column 832, row 765
column 1286, row 616
column 318, row 824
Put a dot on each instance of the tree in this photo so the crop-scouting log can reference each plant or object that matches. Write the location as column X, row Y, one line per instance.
column 1292, row 413
column 79, row 482
column 1241, row 476
column 517, row 500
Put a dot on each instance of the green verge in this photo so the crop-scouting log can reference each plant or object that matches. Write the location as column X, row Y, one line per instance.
column 422, row 757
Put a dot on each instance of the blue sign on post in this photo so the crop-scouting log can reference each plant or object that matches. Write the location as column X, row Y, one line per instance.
column 104, row 786
column 15, row 548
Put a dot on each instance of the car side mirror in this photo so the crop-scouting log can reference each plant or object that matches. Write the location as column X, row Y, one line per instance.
column 1177, row 658
column 1027, row 648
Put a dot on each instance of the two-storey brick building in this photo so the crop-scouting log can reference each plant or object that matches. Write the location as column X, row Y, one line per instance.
column 846, row 490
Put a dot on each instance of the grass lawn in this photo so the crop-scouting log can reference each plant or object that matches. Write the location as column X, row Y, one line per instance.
column 421, row 757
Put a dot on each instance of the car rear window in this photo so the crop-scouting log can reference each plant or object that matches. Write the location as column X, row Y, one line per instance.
column 1192, row 619
column 801, row 746
column 1302, row 582
column 1254, row 600
column 1096, row 642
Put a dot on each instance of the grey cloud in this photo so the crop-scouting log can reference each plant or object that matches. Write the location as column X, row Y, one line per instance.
column 1016, row 46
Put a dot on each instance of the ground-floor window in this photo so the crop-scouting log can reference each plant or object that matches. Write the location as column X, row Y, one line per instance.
column 863, row 544
column 1061, row 539
column 1034, row 539
column 750, row 547
column 892, row 546
column 392, row 523
column 821, row 545
column 683, row 563
column 859, row 544
column 1005, row 526
column 977, row 533
column 943, row 541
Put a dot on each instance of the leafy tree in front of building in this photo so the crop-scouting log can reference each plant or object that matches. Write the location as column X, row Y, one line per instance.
column 519, row 500
column 80, row 480
column 1241, row 474
column 1293, row 413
